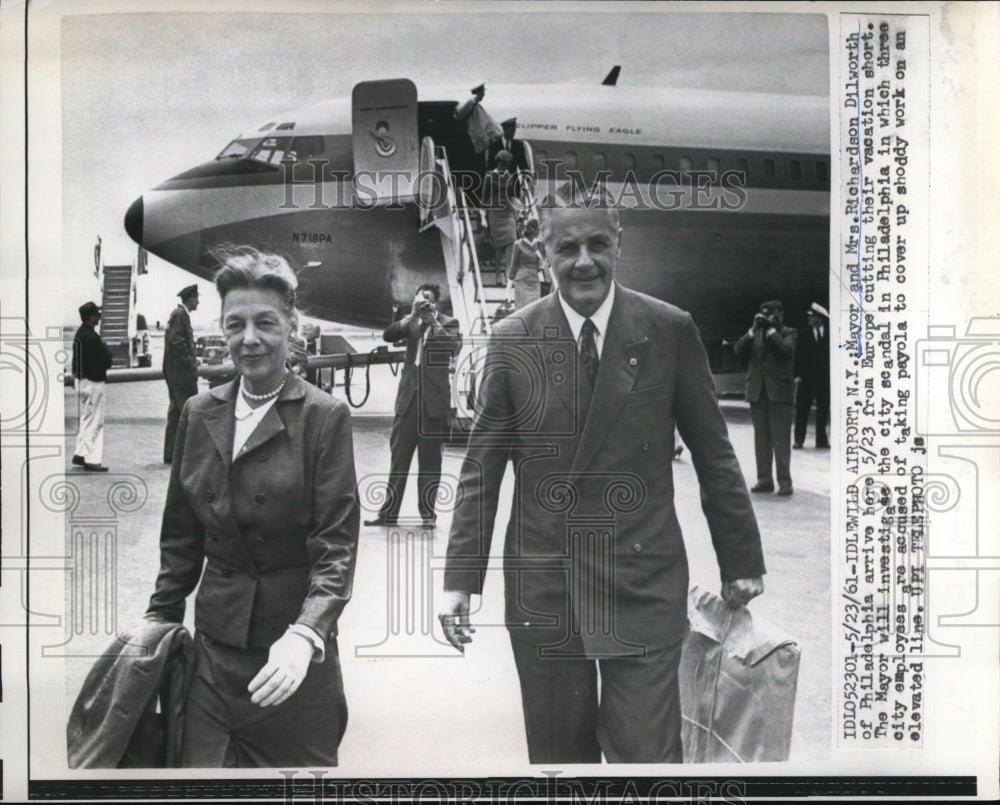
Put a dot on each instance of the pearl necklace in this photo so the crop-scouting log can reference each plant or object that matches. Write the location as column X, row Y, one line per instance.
column 262, row 397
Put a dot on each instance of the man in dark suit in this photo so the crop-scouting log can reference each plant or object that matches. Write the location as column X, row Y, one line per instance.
column 582, row 390
column 507, row 142
column 180, row 364
column 91, row 361
column 769, row 347
column 423, row 401
column 812, row 375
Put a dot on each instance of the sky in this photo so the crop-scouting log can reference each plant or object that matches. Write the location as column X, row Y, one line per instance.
column 147, row 95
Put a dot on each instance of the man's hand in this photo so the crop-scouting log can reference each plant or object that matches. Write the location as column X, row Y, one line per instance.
column 740, row 592
column 454, row 619
column 287, row 664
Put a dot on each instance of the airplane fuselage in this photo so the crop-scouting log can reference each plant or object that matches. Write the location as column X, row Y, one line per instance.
column 725, row 198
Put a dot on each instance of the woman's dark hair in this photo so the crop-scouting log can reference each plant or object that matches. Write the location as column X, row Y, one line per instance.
column 247, row 267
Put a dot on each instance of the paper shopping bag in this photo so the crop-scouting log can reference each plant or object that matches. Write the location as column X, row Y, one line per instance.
column 738, row 676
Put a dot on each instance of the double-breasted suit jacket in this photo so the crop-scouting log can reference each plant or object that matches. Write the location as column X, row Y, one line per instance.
column 430, row 378
column 272, row 535
column 771, row 360
column 593, row 526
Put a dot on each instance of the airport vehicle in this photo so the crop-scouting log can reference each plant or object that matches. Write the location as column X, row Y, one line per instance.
column 211, row 350
column 725, row 197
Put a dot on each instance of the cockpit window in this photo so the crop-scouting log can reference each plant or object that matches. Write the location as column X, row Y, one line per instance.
column 236, row 149
column 271, row 149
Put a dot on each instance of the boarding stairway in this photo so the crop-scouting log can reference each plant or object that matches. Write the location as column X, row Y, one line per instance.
column 115, row 311
column 474, row 302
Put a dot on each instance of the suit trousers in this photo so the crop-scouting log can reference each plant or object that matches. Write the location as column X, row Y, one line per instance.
column 224, row 729
column 179, row 394
column 412, row 432
column 772, row 438
column 636, row 717
column 810, row 390
column 90, row 438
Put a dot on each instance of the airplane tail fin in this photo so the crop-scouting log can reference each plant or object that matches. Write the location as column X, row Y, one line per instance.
column 611, row 79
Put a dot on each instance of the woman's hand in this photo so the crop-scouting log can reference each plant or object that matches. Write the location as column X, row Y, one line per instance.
column 287, row 664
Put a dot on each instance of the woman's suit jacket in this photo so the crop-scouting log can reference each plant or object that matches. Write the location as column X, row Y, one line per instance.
column 272, row 535
column 593, row 538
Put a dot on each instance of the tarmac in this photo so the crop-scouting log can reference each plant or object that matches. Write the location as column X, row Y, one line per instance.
column 417, row 707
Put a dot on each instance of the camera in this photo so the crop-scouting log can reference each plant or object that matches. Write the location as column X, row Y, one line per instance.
column 968, row 370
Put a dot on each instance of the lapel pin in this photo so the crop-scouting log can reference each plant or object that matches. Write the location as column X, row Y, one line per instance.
column 633, row 362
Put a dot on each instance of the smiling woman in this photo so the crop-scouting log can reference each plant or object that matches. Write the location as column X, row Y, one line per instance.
column 261, row 507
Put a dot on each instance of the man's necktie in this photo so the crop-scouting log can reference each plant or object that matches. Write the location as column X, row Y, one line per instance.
column 588, row 351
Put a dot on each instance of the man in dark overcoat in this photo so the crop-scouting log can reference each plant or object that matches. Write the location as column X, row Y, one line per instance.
column 180, row 364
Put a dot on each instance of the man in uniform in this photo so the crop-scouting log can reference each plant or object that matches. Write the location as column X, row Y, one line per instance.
column 812, row 375
column 91, row 361
column 582, row 391
column 180, row 364
column 507, row 142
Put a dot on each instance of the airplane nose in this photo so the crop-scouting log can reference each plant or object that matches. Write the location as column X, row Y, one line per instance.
column 133, row 221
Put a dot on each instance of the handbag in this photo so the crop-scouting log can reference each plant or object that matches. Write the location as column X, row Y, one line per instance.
column 738, row 676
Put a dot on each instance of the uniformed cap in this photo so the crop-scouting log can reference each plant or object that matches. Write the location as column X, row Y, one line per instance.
column 816, row 309
column 87, row 309
column 478, row 89
column 773, row 304
column 510, row 121
column 190, row 290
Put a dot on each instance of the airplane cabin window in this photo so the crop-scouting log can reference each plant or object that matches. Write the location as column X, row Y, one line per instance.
column 658, row 162
column 822, row 172
column 600, row 161
column 743, row 167
column 715, row 166
column 768, row 168
column 570, row 160
column 795, row 170
column 628, row 163
column 686, row 163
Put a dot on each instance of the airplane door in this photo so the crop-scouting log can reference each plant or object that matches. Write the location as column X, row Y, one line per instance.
column 384, row 133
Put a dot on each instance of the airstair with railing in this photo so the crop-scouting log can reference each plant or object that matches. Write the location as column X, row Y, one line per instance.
column 116, row 309
column 474, row 302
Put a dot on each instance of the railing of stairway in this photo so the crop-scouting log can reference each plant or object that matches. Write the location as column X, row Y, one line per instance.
column 467, row 258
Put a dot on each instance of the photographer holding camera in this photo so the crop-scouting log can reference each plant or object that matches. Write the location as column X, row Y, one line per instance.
column 770, row 391
column 422, row 403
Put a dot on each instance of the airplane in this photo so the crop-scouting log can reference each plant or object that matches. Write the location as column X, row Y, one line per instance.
column 725, row 196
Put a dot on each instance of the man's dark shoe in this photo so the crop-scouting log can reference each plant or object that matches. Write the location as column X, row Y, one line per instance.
column 381, row 520
column 824, row 446
column 95, row 467
column 762, row 488
column 785, row 491
column 797, row 446
column 79, row 461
